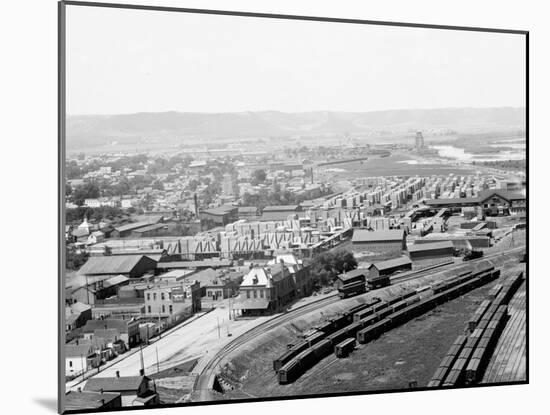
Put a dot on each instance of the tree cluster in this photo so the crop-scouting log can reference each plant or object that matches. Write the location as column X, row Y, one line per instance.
column 329, row 265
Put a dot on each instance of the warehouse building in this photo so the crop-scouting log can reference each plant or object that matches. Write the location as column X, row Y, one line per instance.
column 390, row 242
column 433, row 250
column 131, row 266
column 220, row 216
column 389, row 267
column 279, row 213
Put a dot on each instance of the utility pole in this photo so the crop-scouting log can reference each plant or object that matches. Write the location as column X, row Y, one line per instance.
column 141, row 359
column 159, row 325
column 82, row 364
column 158, row 367
column 87, row 290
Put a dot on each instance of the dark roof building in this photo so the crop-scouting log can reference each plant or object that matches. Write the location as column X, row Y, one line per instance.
column 134, row 390
column 351, row 277
column 484, row 199
column 363, row 235
column 219, row 216
column 386, row 242
column 389, row 267
column 91, row 400
column 431, row 250
column 115, row 384
column 279, row 213
column 206, row 263
column 132, row 266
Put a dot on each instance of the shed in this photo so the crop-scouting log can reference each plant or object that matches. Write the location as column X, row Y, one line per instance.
column 132, row 266
column 389, row 267
column 431, row 250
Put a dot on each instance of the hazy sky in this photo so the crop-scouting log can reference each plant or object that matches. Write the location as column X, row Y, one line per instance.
column 124, row 61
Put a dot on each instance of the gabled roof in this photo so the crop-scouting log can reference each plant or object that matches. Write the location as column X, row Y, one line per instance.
column 148, row 228
column 248, row 209
column 363, row 235
column 79, row 307
column 111, row 323
column 452, row 201
column 116, row 280
column 78, row 232
column 353, row 274
column 132, row 226
column 486, row 194
column 276, row 216
column 212, row 263
column 282, row 208
column 204, row 277
column 431, row 246
column 88, row 399
column 392, row 263
column 77, row 350
column 111, row 264
column 221, row 210
column 115, row 384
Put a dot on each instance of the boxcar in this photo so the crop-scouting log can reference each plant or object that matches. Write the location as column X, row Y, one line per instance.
column 350, row 290
column 372, row 332
column 289, row 354
column 343, row 349
column 472, row 371
column 378, row 282
column 315, row 338
column 322, row 349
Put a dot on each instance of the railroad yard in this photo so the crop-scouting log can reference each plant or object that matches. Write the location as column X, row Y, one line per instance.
column 401, row 357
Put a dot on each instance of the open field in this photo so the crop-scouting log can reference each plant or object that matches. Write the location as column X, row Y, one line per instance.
column 396, row 165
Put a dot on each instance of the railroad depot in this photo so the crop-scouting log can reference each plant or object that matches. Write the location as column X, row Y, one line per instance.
column 269, row 288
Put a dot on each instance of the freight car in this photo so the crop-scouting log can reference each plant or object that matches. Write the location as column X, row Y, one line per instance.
column 298, row 348
column 447, row 363
column 344, row 348
column 372, row 332
column 289, row 355
column 478, row 315
column 350, row 290
column 322, row 349
column 295, row 367
column 378, row 282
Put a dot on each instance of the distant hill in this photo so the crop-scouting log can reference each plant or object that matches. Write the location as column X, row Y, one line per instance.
column 91, row 130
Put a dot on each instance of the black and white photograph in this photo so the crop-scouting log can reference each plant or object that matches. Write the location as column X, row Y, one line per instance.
column 273, row 206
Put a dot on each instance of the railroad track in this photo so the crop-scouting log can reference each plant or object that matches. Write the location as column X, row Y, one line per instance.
column 206, row 378
column 449, row 266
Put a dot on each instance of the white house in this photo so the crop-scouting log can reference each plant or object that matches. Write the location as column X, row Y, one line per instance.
column 76, row 356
